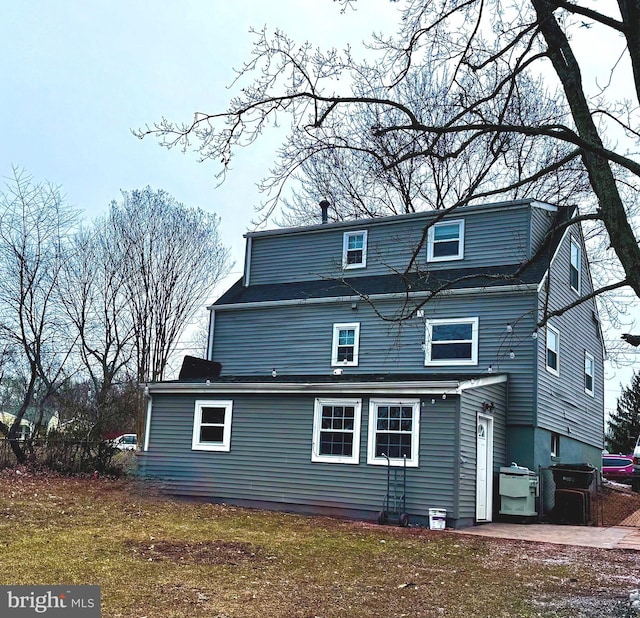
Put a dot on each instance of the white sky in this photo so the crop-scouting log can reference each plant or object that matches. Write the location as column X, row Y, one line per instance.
column 78, row 76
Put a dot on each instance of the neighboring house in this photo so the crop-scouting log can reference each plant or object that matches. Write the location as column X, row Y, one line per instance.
column 319, row 380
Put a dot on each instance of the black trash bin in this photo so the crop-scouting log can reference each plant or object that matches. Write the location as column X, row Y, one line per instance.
column 572, row 497
column 573, row 476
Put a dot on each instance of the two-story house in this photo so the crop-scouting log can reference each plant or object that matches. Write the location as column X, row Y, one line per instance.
column 336, row 355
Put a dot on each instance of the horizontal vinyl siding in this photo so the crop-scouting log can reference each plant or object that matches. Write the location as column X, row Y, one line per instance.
column 541, row 221
column 270, row 457
column 563, row 406
column 470, row 407
column 494, row 237
column 297, row 340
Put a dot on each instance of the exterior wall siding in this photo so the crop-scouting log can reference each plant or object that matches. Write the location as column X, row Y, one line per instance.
column 306, row 255
column 270, row 456
column 562, row 404
column 296, row 340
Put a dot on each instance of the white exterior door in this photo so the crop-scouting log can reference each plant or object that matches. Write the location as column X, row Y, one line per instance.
column 484, row 468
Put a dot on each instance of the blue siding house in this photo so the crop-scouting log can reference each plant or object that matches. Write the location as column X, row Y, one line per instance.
column 412, row 341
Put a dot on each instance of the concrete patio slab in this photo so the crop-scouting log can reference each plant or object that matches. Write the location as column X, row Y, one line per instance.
column 615, row 537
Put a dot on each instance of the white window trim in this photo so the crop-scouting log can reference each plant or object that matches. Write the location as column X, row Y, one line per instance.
column 578, row 266
column 225, row 445
column 355, row 326
column 415, row 433
column 345, row 248
column 317, row 429
column 555, row 444
column 591, row 359
column 555, row 372
column 431, row 241
column 445, row 362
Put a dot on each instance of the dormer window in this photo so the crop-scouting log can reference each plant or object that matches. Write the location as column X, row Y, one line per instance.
column 445, row 241
column 354, row 249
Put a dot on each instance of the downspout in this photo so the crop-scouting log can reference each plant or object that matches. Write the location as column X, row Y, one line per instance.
column 210, row 335
column 147, row 423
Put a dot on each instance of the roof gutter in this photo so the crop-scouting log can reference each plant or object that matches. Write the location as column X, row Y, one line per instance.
column 405, row 387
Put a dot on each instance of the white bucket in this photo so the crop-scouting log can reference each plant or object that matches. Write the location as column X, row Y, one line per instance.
column 437, row 519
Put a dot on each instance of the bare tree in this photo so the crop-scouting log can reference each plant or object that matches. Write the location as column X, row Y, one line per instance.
column 34, row 222
column 90, row 290
column 509, row 88
column 169, row 259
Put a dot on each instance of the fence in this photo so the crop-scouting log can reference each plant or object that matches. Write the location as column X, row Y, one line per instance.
column 65, row 456
column 577, row 494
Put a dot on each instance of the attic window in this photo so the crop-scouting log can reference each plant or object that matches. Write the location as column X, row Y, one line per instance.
column 354, row 250
column 575, row 267
column 445, row 241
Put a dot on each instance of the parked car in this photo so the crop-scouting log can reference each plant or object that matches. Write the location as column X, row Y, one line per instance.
column 618, row 468
column 126, row 442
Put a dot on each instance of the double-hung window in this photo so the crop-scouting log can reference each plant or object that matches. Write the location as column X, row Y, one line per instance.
column 589, row 367
column 346, row 341
column 212, row 425
column 354, row 250
column 553, row 350
column 575, row 268
column 445, row 241
column 394, row 427
column 451, row 342
column 336, row 431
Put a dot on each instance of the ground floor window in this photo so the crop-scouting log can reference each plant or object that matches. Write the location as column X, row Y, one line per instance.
column 394, row 427
column 212, row 425
column 336, row 430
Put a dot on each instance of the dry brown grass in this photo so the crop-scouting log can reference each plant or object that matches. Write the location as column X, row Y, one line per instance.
column 158, row 557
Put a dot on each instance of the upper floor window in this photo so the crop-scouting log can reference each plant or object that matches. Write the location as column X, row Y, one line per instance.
column 212, row 426
column 336, row 431
column 346, row 341
column 553, row 350
column 589, row 367
column 394, row 427
column 354, row 249
column 445, row 241
column 575, row 269
column 451, row 342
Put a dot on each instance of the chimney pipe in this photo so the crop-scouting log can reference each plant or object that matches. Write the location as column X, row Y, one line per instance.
column 324, row 205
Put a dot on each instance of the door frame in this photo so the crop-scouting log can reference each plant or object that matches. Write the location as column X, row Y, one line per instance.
column 487, row 490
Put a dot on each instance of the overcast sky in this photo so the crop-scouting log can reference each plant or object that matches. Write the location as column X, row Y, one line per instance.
column 78, row 76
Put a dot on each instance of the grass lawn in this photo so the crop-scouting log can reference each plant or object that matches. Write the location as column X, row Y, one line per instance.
column 156, row 557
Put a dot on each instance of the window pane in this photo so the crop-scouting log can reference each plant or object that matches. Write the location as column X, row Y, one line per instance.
column 444, row 249
column 340, row 444
column 445, row 351
column 452, row 332
column 393, row 445
column 588, row 383
column 211, row 434
column 354, row 257
column 552, row 359
column 347, row 337
column 213, row 415
column 448, row 231
column 356, row 241
column 345, row 354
